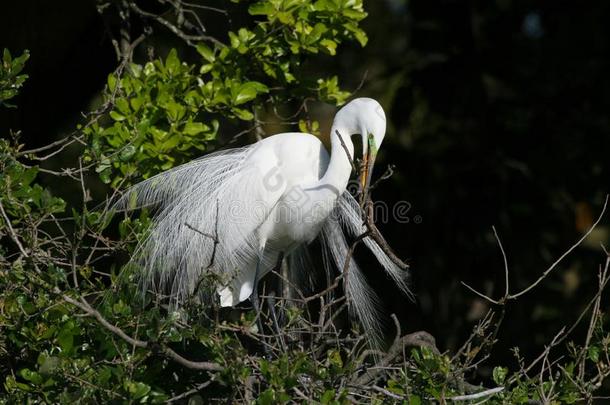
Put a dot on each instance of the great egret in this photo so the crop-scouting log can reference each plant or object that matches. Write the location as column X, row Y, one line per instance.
column 233, row 213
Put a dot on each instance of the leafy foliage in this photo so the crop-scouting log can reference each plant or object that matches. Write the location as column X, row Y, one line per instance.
column 10, row 78
column 157, row 121
column 163, row 112
column 23, row 199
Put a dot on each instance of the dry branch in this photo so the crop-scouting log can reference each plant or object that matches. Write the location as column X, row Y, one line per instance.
column 163, row 349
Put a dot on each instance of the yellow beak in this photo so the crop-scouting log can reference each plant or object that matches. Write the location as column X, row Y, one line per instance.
column 368, row 162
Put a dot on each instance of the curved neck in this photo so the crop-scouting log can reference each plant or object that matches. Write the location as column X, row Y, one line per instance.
column 339, row 168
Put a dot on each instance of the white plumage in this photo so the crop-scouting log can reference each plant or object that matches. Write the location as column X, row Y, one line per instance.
column 232, row 212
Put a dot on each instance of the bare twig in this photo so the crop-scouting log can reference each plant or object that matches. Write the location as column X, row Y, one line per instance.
column 386, row 392
column 510, row 297
column 389, row 172
column 376, row 235
column 476, row 395
column 566, row 253
column 62, row 143
column 189, row 39
column 12, row 231
column 480, row 294
column 415, row 339
column 202, row 7
column 192, row 391
column 207, row 235
column 347, row 152
column 506, row 294
column 169, row 353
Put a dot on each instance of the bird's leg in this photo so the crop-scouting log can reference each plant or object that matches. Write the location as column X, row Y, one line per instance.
column 271, row 302
column 254, row 296
column 256, row 304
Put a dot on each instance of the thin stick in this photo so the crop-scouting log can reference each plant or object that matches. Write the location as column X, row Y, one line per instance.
column 191, row 227
column 574, row 246
column 169, row 353
column 177, row 31
column 185, row 394
column 349, row 155
column 12, row 231
column 476, row 395
column 506, row 294
column 480, row 294
column 68, row 139
column 386, row 392
column 376, row 235
column 563, row 334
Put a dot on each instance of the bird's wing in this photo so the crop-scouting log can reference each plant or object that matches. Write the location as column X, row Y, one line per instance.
column 160, row 190
column 209, row 211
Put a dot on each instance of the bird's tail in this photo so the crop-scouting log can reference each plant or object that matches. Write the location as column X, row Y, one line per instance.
column 363, row 301
column 350, row 216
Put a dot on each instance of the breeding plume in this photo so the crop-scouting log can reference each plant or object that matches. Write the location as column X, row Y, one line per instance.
column 235, row 213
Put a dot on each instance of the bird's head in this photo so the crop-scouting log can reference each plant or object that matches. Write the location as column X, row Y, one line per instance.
column 364, row 116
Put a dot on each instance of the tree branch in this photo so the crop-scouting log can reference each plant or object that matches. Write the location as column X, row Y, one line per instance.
column 189, row 39
column 567, row 252
column 168, row 352
column 12, row 231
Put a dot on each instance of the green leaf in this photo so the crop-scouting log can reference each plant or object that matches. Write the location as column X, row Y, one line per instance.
column 243, row 114
column 175, row 111
column 112, row 82
column 244, row 95
column 169, row 144
column 48, row 364
column 149, row 69
column 117, row 116
column 499, row 374
column 361, row 36
column 593, row 353
column 135, row 69
column 194, row 128
column 6, row 57
column 123, row 106
column 234, row 40
column 334, row 358
column 327, row 397
column 414, row 400
column 31, row 376
column 206, row 68
column 137, row 389
column 172, row 62
column 262, row 8
column 136, row 103
column 65, row 339
column 248, row 91
column 206, row 52
column 105, row 176
column 329, row 45
column 127, row 153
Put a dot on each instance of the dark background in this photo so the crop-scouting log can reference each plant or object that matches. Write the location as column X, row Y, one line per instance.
column 498, row 115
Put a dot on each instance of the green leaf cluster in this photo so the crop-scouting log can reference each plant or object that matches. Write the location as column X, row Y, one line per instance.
column 156, row 121
column 164, row 112
column 21, row 197
column 11, row 78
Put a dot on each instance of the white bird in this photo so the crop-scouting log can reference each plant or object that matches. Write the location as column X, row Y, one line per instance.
column 234, row 213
